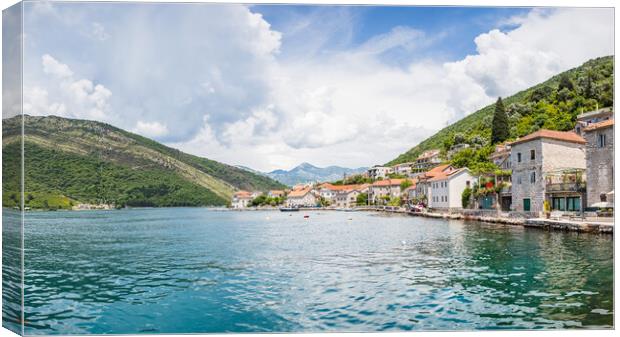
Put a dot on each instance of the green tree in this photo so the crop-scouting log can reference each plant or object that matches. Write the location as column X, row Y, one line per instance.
column 405, row 184
column 465, row 196
column 501, row 129
column 566, row 83
column 362, row 199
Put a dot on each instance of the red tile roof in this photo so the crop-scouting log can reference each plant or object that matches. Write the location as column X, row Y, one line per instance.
column 565, row 136
column 243, row 194
column 599, row 125
column 445, row 174
column 299, row 193
column 389, row 182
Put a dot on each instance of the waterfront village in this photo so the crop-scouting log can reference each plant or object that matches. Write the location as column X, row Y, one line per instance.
column 559, row 177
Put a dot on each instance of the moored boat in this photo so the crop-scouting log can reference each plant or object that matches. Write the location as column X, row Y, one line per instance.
column 289, row 209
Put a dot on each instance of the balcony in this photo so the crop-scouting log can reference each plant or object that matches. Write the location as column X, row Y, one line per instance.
column 579, row 187
column 566, row 180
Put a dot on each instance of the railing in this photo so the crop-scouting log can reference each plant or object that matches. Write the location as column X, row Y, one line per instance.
column 566, row 187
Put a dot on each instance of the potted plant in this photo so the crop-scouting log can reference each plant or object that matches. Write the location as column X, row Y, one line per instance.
column 547, row 209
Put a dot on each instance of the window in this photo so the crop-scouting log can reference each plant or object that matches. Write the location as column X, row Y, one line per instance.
column 602, row 140
column 573, row 204
column 558, row 204
column 532, row 154
column 519, row 157
column 519, row 180
column 533, row 177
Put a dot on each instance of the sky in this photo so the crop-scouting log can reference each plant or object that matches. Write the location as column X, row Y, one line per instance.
column 272, row 86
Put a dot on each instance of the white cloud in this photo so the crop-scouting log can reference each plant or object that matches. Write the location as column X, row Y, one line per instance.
column 225, row 85
column 76, row 98
column 55, row 68
column 150, row 129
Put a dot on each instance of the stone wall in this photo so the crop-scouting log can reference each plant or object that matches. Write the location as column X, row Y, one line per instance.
column 550, row 155
column 600, row 164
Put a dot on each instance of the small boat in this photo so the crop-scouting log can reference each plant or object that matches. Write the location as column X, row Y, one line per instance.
column 289, row 209
column 306, row 216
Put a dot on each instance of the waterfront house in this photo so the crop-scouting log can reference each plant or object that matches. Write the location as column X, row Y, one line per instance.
column 600, row 161
column 427, row 160
column 304, row 197
column 276, row 194
column 446, row 188
column 423, row 184
column 548, row 165
column 592, row 117
column 381, row 190
column 241, row 199
column 347, row 196
column 329, row 191
column 379, row 172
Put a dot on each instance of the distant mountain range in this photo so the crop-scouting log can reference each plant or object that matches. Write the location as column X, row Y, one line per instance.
column 309, row 173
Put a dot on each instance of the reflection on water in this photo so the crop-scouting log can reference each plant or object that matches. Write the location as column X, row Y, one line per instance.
column 196, row 270
column 11, row 270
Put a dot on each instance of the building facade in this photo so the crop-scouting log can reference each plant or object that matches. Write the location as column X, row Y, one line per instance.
column 403, row 169
column 380, row 190
column 379, row 172
column 600, row 161
column 241, row 199
column 301, row 198
column 537, row 160
column 427, row 160
column 592, row 117
column 447, row 189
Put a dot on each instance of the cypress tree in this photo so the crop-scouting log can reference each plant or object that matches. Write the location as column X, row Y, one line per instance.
column 500, row 131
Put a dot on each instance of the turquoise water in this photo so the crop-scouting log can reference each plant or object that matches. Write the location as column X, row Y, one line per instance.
column 182, row 270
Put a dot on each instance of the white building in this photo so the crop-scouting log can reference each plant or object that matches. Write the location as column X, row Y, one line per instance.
column 447, row 188
column 379, row 172
column 403, row 169
column 301, row 198
column 241, row 199
column 427, row 160
column 423, row 190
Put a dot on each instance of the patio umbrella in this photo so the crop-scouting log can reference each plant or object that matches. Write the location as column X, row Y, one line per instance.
column 603, row 204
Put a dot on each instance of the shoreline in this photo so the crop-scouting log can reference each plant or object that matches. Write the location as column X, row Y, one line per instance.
column 541, row 223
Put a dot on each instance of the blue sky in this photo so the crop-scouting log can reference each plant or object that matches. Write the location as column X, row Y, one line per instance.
column 272, row 86
column 458, row 26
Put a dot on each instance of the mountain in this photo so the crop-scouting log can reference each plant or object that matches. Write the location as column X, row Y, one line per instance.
column 309, row 173
column 553, row 104
column 69, row 161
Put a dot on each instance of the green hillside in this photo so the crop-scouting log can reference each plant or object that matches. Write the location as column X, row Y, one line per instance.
column 76, row 161
column 553, row 104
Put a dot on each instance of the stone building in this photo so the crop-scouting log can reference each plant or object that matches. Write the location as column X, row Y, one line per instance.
column 541, row 156
column 600, row 161
column 592, row 117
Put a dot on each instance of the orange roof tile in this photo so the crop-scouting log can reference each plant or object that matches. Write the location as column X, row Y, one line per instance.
column 445, row 174
column 599, row 125
column 299, row 193
column 566, row 136
column 243, row 194
column 388, row 182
